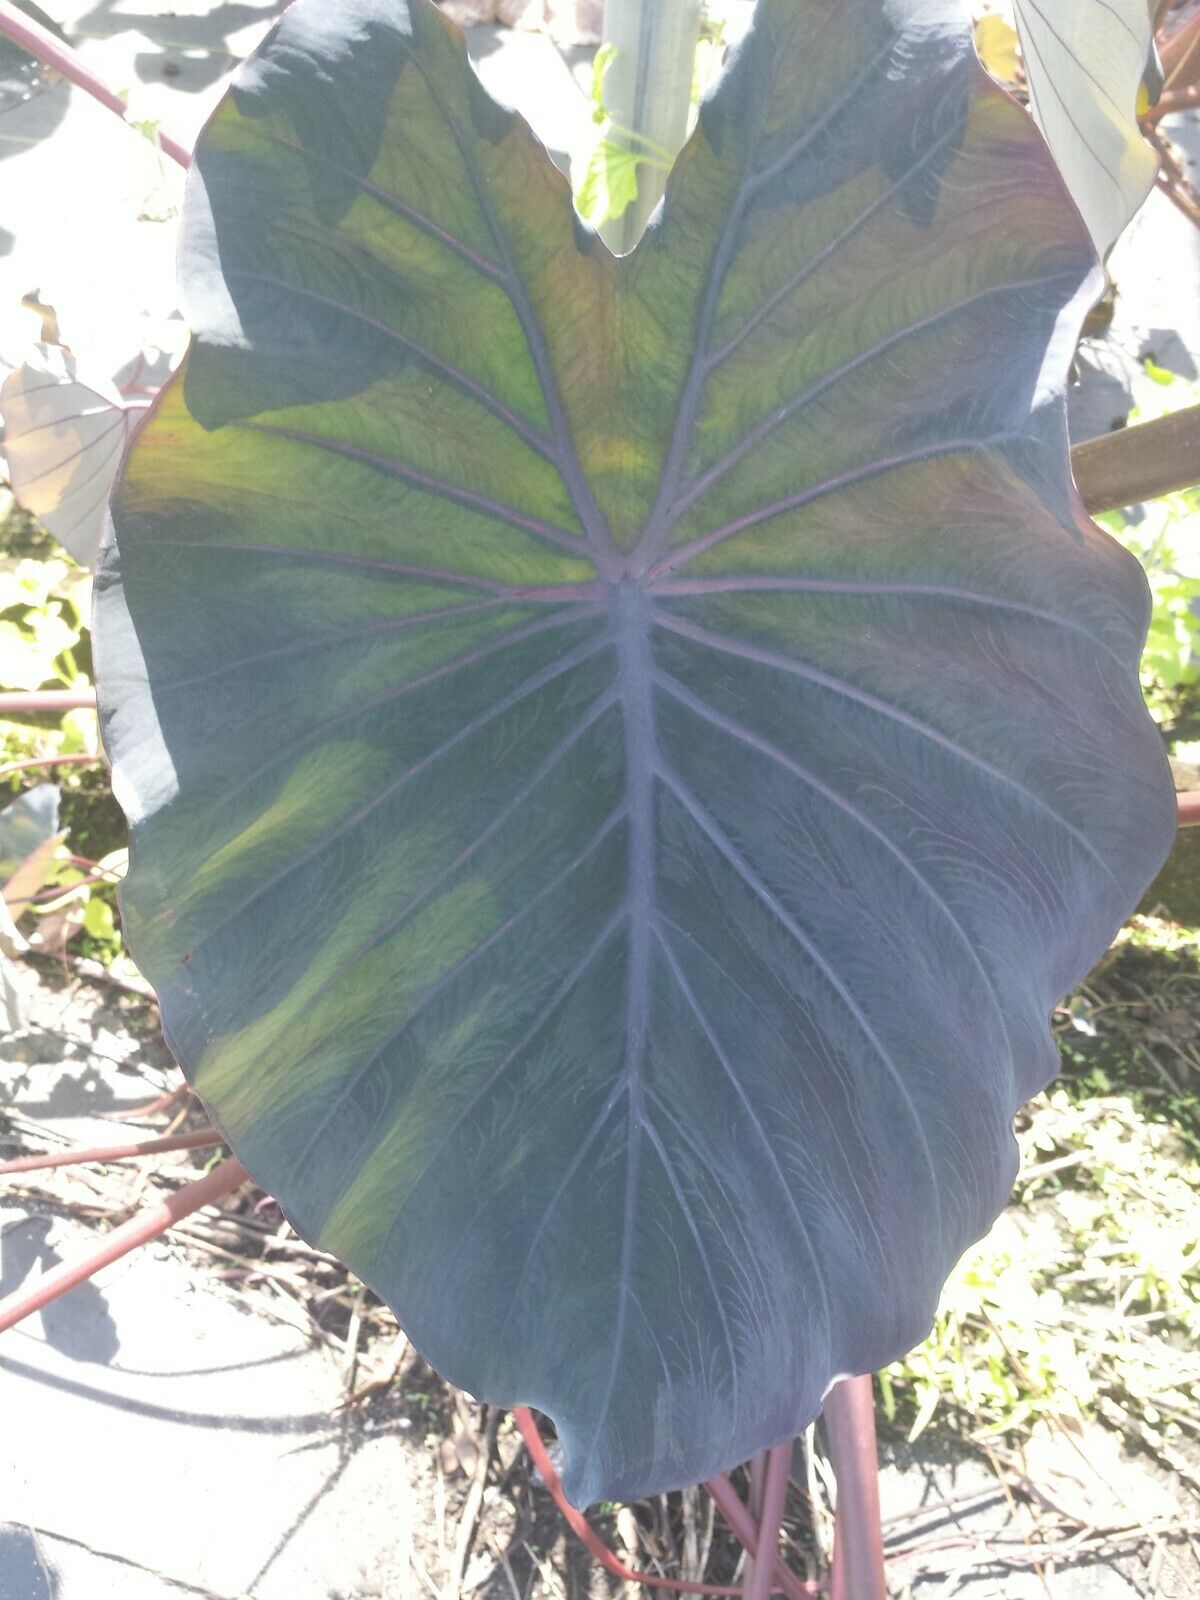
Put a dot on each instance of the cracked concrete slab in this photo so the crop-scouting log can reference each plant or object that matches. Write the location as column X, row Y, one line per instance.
column 161, row 1438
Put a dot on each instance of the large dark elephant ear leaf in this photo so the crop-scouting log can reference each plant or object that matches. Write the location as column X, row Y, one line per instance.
column 623, row 754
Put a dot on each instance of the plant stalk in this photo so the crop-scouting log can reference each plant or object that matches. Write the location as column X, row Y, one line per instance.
column 29, row 702
column 1180, row 52
column 733, row 1508
column 77, row 760
column 756, row 1472
column 139, row 1230
column 648, row 96
column 759, row 1582
column 113, row 1152
column 1142, row 462
column 849, row 1413
column 584, row 1531
column 43, row 45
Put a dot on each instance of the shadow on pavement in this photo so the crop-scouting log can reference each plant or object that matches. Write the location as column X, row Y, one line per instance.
column 190, row 51
column 32, row 101
column 79, row 1325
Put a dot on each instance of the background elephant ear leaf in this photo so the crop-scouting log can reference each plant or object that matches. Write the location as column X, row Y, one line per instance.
column 1091, row 69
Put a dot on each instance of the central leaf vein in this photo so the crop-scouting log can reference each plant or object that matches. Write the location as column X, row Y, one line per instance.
column 636, row 691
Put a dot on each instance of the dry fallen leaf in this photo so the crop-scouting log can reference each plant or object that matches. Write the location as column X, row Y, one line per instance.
column 459, row 1453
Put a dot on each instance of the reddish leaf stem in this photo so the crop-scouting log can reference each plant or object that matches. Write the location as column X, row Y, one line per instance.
column 1171, row 103
column 78, row 759
column 1180, row 52
column 731, row 1506
column 774, row 1492
column 42, row 44
column 23, row 701
column 583, row 1530
column 139, row 1230
column 114, row 1152
column 849, row 1413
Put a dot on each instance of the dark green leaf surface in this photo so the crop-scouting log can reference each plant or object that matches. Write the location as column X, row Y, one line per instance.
column 623, row 755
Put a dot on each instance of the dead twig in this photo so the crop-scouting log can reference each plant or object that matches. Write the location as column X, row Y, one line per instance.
column 819, row 1507
column 401, row 1353
column 350, row 1360
column 469, row 1518
column 501, row 1556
